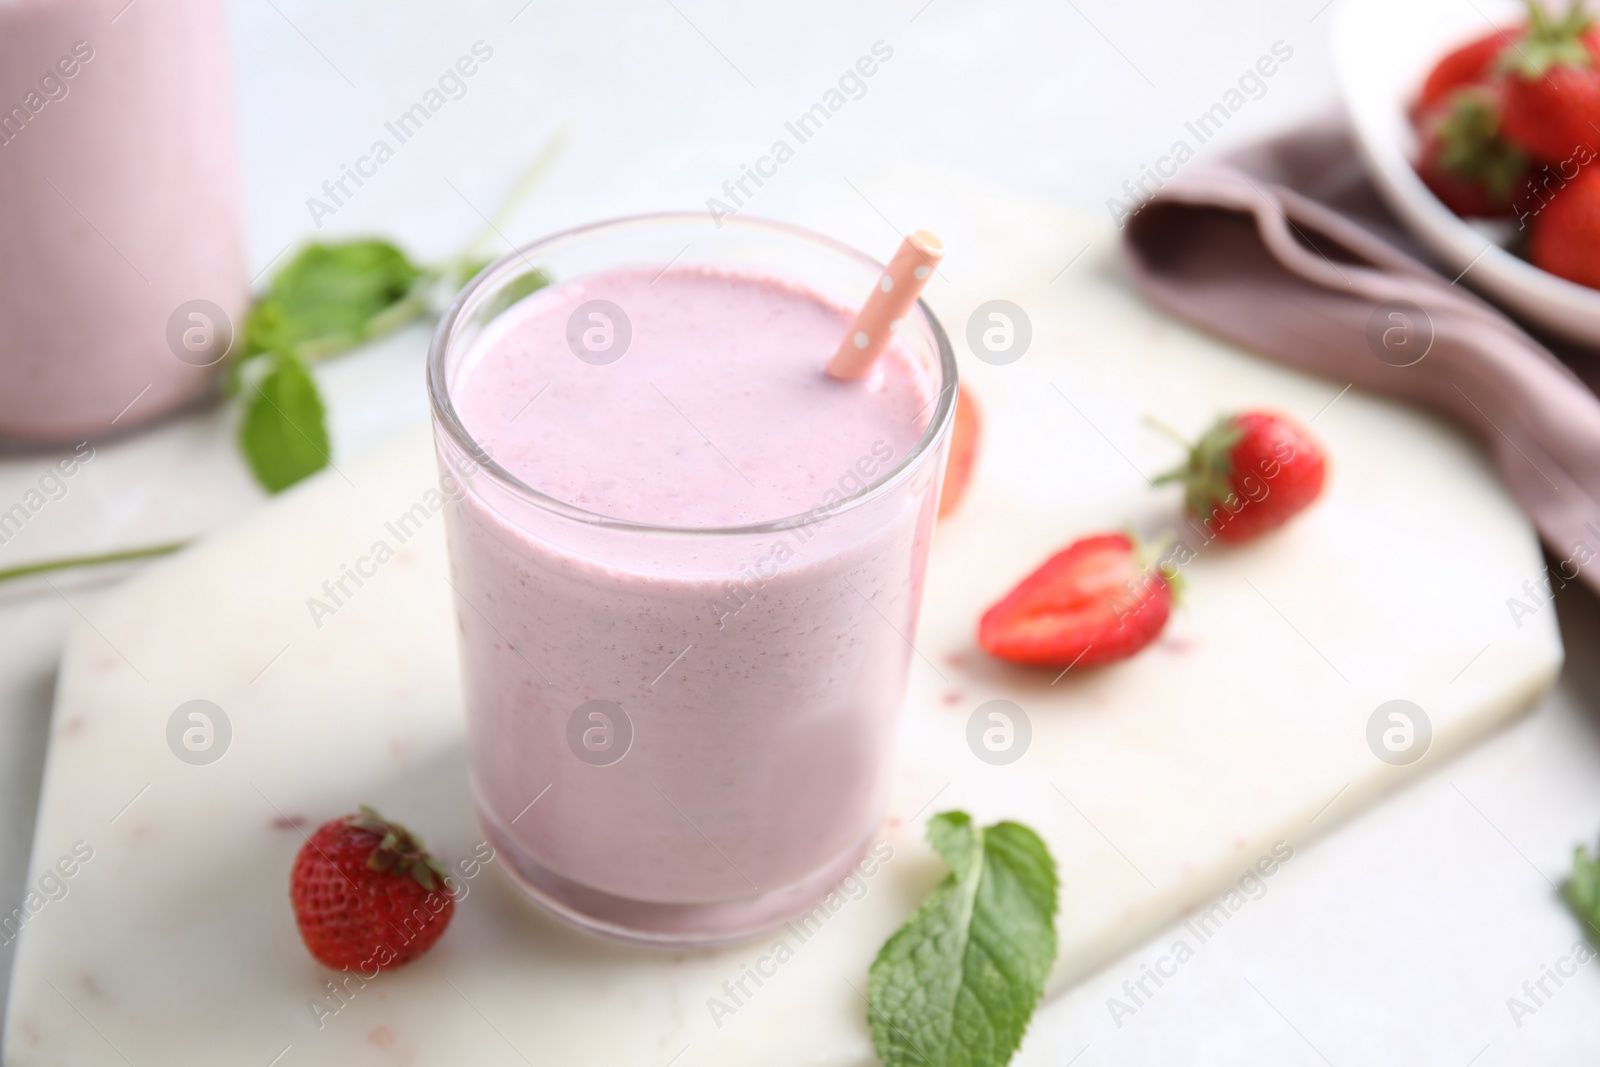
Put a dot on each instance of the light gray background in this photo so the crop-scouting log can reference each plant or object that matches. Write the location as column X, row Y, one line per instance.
column 1398, row 938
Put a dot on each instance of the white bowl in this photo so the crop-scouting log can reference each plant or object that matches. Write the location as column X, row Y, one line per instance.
column 1382, row 52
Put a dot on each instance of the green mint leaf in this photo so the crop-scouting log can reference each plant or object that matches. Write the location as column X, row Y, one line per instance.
column 334, row 296
column 956, row 985
column 1582, row 891
column 284, row 435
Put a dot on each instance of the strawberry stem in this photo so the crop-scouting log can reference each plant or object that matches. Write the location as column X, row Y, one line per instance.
column 1167, row 431
column 399, row 851
column 1471, row 147
column 1206, row 470
column 1550, row 44
column 1147, row 558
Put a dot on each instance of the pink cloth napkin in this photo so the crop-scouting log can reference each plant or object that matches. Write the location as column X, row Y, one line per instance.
column 1284, row 248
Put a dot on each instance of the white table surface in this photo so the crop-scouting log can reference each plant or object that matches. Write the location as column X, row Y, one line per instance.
column 1397, row 938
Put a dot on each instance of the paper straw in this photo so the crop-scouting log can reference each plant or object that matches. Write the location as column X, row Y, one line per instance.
column 890, row 301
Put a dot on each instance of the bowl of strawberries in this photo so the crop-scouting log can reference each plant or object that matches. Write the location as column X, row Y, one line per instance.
column 1480, row 126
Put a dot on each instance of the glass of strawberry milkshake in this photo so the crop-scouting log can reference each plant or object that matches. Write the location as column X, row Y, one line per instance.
column 687, row 565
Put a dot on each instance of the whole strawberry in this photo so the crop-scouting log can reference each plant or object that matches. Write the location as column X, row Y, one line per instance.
column 1565, row 238
column 1552, row 87
column 1471, row 64
column 1099, row 600
column 1250, row 473
column 367, row 896
column 1464, row 160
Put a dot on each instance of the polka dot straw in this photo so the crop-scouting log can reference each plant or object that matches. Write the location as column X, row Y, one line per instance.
column 889, row 302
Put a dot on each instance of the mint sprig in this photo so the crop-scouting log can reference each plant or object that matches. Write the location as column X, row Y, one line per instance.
column 332, row 297
column 957, row 984
column 327, row 299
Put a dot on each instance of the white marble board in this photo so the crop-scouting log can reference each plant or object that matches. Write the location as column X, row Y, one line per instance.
column 1157, row 783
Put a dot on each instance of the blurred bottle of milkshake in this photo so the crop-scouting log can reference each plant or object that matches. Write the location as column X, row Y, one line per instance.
column 122, row 273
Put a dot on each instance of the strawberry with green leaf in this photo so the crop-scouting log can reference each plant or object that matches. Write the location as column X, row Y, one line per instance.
column 1465, row 160
column 1552, row 86
column 1250, row 473
column 367, row 896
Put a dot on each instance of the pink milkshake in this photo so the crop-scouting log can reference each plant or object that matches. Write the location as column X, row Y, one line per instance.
column 687, row 567
column 122, row 264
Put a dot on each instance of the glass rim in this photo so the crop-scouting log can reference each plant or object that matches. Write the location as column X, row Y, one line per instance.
column 478, row 290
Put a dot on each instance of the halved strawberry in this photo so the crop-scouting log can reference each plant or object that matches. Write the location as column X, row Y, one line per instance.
column 963, row 452
column 1097, row 601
